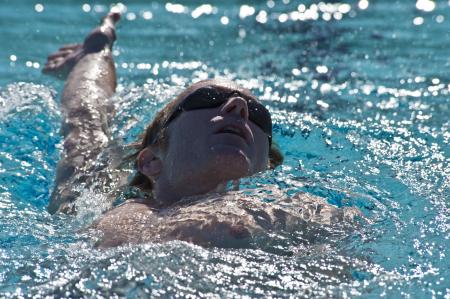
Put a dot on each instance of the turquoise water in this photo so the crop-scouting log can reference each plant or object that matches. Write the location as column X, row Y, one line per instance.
column 359, row 92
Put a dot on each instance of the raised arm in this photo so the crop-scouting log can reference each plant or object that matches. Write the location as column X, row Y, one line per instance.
column 90, row 76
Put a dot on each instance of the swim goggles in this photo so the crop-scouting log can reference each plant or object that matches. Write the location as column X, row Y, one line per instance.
column 210, row 97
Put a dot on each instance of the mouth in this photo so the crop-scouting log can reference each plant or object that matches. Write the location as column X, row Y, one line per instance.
column 235, row 130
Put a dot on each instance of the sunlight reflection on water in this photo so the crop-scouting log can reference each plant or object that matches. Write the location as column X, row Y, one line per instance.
column 359, row 97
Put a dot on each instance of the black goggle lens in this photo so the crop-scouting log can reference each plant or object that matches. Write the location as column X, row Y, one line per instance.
column 209, row 97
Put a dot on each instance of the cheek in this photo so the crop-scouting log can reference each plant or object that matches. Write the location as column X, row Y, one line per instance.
column 187, row 137
column 261, row 149
column 264, row 158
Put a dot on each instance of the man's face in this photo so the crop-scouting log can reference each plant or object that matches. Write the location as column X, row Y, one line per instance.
column 207, row 147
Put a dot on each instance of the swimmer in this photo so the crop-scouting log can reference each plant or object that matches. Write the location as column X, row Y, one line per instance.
column 213, row 133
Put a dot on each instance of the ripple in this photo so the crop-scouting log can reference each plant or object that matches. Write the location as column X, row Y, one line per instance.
column 361, row 118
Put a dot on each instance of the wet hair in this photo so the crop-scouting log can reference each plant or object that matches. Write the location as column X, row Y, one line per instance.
column 156, row 133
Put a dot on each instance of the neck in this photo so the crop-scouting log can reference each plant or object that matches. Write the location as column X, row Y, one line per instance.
column 165, row 195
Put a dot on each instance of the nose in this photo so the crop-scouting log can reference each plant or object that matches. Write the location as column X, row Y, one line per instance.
column 236, row 105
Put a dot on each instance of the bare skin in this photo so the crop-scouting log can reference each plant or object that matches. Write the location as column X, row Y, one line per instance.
column 61, row 63
column 91, row 81
column 221, row 220
column 197, row 164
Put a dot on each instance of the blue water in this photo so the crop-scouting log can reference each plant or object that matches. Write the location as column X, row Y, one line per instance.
column 359, row 93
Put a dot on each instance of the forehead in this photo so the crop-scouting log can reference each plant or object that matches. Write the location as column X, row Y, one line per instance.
column 219, row 84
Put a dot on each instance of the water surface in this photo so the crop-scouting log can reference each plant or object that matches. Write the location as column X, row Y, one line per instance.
column 359, row 93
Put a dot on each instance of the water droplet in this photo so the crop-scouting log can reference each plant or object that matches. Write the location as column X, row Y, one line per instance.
column 39, row 7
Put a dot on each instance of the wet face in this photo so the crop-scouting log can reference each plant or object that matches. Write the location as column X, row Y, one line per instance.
column 207, row 147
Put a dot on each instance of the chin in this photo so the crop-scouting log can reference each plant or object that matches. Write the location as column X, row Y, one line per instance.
column 230, row 162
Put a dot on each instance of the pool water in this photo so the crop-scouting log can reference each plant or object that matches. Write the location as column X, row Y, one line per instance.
column 359, row 92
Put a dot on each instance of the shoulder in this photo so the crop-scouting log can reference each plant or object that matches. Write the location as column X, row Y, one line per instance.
column 317, row 210
column 129, row 209
column 124, row 223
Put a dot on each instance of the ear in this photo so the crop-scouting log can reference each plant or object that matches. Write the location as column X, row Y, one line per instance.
column 148, row 163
